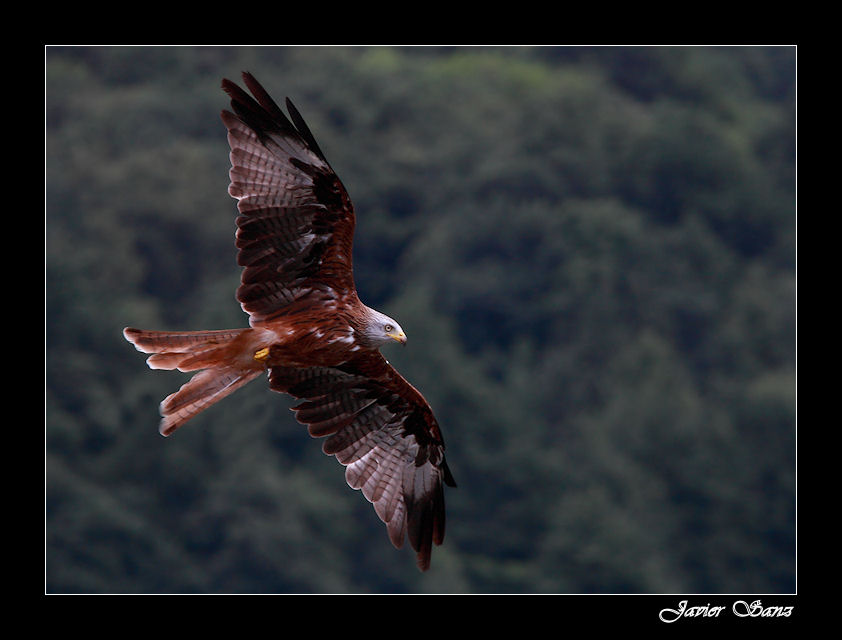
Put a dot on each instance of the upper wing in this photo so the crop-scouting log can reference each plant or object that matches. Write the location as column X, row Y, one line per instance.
column 296, row 222
column 382, row 429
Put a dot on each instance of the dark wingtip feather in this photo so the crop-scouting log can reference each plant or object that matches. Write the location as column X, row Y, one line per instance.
column 448, row 476
column 263, row 98
column 421, row 533
column 303, row 129
column 262, row 113
column 234, row 91
column 423, row 559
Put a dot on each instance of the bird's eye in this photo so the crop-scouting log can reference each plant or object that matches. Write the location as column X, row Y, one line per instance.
column 389, row 328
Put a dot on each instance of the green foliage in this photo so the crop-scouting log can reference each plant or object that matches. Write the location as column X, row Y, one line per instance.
column 591, row 249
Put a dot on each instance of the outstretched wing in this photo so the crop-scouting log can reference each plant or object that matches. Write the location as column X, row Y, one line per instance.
column 296, row 224
column 383, row 430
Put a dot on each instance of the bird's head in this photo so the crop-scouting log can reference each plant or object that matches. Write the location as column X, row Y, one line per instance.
column 380, row 329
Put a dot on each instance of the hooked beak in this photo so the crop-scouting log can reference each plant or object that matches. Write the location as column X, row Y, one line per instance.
column 399, row 336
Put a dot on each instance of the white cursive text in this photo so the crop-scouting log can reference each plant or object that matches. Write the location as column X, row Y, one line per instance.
column 756, row 609
column 706, row 611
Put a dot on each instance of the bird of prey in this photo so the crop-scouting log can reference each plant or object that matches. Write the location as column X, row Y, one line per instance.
column 308, row 330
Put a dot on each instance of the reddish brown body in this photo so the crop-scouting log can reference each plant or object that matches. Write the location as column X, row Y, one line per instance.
column 308, row 329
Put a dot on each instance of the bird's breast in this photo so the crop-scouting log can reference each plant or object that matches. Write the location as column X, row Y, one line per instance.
column 308, row 344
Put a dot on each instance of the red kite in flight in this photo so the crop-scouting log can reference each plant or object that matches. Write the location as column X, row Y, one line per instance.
column 308, row 329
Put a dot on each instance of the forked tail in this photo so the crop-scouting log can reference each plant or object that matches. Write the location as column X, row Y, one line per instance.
column 214, row 353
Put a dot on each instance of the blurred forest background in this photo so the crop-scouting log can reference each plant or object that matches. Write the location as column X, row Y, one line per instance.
column 592, row 251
